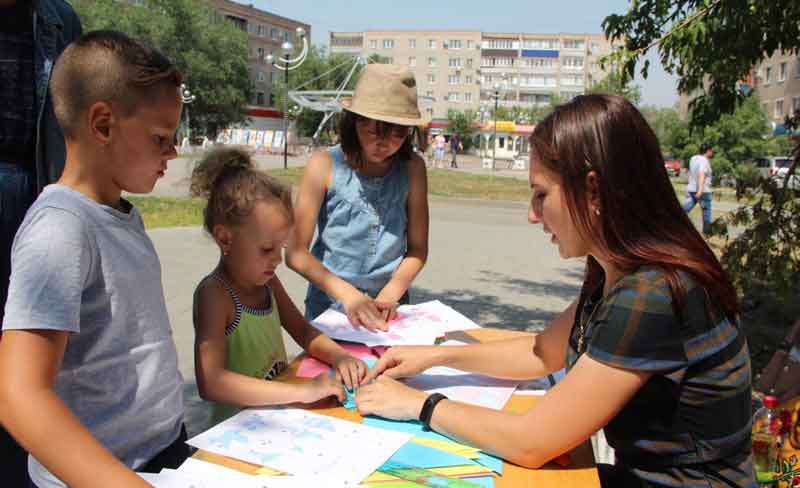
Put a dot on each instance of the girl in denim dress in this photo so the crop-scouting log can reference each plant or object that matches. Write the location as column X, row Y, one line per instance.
column 367, row 199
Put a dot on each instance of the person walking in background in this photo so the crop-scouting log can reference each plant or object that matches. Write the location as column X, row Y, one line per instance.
column 32, row 35
column 699, row 187
column 455, row 146
column 439, row 143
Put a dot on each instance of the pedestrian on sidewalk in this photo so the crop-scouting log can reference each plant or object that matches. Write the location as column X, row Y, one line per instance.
column 698, row 189
column 455, row 146
column 439, row 143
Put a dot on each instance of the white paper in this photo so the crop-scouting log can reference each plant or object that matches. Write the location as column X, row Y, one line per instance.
column 216, row 475
column 416, row 325
column 303, row 443
column 465, row 387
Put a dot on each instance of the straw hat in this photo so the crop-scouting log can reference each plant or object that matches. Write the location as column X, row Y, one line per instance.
column 386, row 92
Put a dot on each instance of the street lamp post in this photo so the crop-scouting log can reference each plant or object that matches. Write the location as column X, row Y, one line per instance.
column 494, row 137
column 187, row 97
column 286, row 64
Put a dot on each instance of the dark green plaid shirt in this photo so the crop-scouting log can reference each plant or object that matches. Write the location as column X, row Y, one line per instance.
column 690, row 423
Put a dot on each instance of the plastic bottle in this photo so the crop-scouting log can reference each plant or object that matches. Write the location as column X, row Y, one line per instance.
column 767, row 429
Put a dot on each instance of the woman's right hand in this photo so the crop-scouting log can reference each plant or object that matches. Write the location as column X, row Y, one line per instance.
column 405, row 361
column 363, row 311
column 322, row 386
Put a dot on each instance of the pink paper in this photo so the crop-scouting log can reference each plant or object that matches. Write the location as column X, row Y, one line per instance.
column 311, row 367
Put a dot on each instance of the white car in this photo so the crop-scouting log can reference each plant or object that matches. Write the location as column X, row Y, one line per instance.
column 780, row 175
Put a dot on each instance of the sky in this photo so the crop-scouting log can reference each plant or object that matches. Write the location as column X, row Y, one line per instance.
column 547, row 16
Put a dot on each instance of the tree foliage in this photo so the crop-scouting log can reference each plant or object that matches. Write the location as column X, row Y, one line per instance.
column 712, row 45
column 211, row 52
column 615, row 82
column 461, row 123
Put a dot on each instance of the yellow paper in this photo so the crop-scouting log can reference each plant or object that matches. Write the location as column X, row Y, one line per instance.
column 448, row 446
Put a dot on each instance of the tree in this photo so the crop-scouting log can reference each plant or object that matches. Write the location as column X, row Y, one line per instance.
column 461, row 123
column 712, row 45
column 210, row 52
column 615, row 82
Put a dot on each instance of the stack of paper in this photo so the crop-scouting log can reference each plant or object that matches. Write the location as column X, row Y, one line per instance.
column 299, row 442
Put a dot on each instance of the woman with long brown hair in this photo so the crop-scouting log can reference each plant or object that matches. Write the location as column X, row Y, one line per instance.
column 653, row 345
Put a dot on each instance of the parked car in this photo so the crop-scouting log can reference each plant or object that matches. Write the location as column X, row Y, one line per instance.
column 768, row 166
column 673, row 165
column 780, row 175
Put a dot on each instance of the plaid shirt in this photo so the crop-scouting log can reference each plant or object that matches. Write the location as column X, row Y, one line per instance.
column 689, row 425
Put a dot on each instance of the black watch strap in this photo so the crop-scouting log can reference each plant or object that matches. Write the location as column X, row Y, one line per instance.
column 427, row 409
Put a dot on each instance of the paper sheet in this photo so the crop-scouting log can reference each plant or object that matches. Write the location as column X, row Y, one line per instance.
column 298, row 441
column 416, row 325
column 311, row 367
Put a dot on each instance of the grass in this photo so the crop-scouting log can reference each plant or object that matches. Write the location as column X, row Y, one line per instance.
column 182, row 212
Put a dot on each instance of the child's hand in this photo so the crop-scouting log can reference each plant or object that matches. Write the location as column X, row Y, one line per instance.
column 352, row 370
column 323, row 386
column 363, row 311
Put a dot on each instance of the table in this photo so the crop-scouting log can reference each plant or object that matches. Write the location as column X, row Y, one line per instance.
column 581, row 473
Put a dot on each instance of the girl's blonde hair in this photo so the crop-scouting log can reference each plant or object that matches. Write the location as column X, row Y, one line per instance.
column 227, row 178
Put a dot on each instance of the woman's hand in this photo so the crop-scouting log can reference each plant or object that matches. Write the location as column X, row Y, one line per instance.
column 404, row 361
column 323, row 386
column 352, row 370
column 389, row 398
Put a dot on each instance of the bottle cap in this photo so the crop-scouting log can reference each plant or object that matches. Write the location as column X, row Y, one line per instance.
column 770, row 401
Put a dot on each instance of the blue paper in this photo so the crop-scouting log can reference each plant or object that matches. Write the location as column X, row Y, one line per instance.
column 491, row 462
column 409, row 426
column 483, row 481
column 350, row 395
column 419, row 456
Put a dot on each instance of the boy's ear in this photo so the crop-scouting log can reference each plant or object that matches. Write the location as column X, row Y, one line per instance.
column 100, row 117
column 224, row 237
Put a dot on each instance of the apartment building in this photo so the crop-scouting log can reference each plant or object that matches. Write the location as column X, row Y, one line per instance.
column 266, row 32
column 466, row 69
column 777, row 82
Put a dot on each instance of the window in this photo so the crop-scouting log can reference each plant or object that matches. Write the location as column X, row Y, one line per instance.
column 573, row 80
column 453, row 79
column 455, row 44
column 468, row 97
column 469, row 62
column 412, row 61
column 261, row 30
column 499, row 44
column 431, row 43
column 429, row 93
column 779, row 108
column 573, row 44
column 768, row 75
column 260, row 98
column 431, row 62
column 795, row 104
column 273, row 34
column 412, row 43
column 389, row 60
column 286, row 37
column 388, row 43
column 452, row 96
column 260, row 53
column 539, row 63
column 468, row 79
column 469, row 44
column 540, row 44
column 431, row 78
column 455, row 62
column 260, row 76
column 782, row 72
column 571, row 62
column 373, row 44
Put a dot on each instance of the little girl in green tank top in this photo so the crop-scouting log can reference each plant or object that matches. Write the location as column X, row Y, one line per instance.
column 241, row 306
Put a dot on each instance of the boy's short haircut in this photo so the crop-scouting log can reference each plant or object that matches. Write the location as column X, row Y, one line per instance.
column 106, row 65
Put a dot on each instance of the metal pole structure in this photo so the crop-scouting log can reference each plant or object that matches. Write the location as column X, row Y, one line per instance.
column 286, row 113
column 494, row 137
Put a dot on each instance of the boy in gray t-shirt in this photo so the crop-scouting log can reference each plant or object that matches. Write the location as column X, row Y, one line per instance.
column 89, row 380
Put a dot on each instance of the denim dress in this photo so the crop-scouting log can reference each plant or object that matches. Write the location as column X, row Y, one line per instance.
column 361, row 230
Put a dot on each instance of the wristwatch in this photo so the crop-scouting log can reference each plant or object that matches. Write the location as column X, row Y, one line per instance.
column 427, row 409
